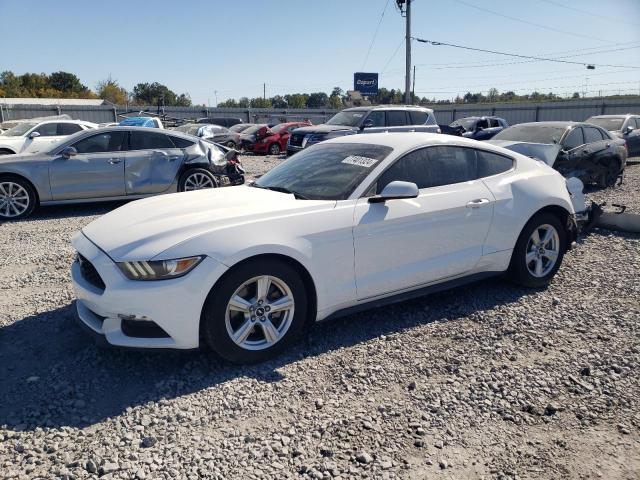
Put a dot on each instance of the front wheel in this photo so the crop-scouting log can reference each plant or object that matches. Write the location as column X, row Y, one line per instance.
column 538, row 252
column 197, row 179
column 257, row 310
column 230, row 144
column 274, row 149
column 17, row 198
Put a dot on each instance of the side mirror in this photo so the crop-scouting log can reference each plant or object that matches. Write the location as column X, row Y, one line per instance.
column 367, row 124
column 33, row 135
column 69, row 152
column 231, row 155
column 629, row 129
column 396, row 190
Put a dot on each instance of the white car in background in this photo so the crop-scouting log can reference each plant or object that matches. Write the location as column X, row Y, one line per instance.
column 35, row 136
column 349, row 223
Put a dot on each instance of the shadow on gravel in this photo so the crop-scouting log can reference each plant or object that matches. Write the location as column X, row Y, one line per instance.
column 52, row 375
column 74, row 210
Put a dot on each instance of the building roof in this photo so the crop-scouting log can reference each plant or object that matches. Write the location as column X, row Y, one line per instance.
column 52, row 101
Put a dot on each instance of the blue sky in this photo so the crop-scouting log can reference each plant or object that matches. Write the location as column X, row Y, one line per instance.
column 233, row 46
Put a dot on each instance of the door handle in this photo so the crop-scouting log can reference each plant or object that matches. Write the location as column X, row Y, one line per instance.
column 115, row 161
column 477, row 203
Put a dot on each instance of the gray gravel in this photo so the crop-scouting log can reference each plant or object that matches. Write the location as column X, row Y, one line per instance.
column 487, row 381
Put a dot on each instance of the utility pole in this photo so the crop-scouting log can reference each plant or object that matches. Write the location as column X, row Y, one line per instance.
column 264, row 91
column 407, row 78
column 413, row 87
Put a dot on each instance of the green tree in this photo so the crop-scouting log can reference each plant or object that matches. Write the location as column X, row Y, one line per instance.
column 152, row 93
column 335, row 101
column 111, row 91
column 244, row 102
column 296, row 100
column 317, row 100
column 67, row 83
column 183, row 100
column 279, row 102
column 260, row 102
column 230, row 103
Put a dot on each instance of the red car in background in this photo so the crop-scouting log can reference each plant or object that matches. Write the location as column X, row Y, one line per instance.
column 276, row 139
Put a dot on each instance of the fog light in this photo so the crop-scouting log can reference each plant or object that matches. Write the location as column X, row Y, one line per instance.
column 139, row 318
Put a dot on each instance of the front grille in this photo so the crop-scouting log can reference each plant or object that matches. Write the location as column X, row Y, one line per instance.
column 296, row 140
column 90, row 274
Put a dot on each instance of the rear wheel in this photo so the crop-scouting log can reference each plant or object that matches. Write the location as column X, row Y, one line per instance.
column 256, row 311
column 197, row 179
column 5, row 151
column 17, row 198
column 538, row 252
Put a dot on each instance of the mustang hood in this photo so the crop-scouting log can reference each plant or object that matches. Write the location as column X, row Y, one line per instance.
column 323, row 129
column 547, row 152
column 145, row 228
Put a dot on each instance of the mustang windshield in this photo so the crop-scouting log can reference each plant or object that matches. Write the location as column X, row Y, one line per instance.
column 325, row 171
column 532, row 134
column 19, row 129
column 348, row 119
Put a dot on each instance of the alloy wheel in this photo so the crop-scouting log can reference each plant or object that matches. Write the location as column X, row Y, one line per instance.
column 14, row 199
column 259, row 313
column 274, row 149
column 543, row 249
column 198, row 181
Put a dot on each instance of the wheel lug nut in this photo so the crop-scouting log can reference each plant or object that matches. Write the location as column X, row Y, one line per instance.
column 262, row 319
column 267, row 308
column 253, row 318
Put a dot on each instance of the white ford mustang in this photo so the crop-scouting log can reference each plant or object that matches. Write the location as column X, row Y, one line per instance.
column 345, row 224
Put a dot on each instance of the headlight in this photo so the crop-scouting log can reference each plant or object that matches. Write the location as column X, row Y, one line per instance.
column 159, row 270
column 317, row 137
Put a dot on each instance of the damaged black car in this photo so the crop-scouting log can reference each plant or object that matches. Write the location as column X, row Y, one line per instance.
column 575, row 149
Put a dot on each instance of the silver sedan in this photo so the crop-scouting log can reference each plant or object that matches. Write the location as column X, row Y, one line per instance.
column 114, row 163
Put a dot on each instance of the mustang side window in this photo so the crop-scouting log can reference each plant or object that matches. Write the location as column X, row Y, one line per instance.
column 47, row 130
column 432, row 167
column 492, row 163
column 574, row 139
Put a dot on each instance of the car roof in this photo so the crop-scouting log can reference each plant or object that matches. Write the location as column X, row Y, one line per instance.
column 130, row 128
column 410, row 140
column 389, row 107
column 620, row 115
column 557, row 123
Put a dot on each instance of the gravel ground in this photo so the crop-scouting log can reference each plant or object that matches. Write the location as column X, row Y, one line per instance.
column 486, row 381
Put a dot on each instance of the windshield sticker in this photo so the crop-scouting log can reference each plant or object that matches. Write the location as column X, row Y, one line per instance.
column 365, row 162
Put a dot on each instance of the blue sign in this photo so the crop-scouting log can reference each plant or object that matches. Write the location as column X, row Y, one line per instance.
column 365, row 83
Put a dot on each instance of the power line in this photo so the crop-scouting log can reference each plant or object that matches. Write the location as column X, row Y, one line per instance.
column 392, row 56
column 482, row 9
column 375, row 34
column 597, row 15
column 556, row 60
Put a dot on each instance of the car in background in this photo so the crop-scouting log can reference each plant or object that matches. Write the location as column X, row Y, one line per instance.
column 253, row 134
column 222, row 121
column 114, row 163
column 477, row 128
column 240, row 127
column 35, row 136
column 277, row 137
column 214, row 133
column 626, row 127
column 348, row 224
column 383, row 118
column 148, row 122
column 575, row 149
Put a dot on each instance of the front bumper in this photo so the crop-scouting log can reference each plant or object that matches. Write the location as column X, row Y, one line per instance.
column 173, row 305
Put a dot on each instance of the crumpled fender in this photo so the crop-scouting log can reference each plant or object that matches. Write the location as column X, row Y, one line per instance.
column 204, row 154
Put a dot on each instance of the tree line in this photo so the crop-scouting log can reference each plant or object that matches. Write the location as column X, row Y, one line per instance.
column 67, row 85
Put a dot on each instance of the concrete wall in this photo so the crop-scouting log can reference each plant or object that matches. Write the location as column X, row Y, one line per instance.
column 577, row 110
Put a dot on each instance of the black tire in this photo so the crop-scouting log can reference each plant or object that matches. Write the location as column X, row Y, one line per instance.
column 610, row 175
column 274, row 149
column 213, row 319
column 187, row 177
column 6, row 151
column 518, row 270
column 31, row 196
column 230, row 144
